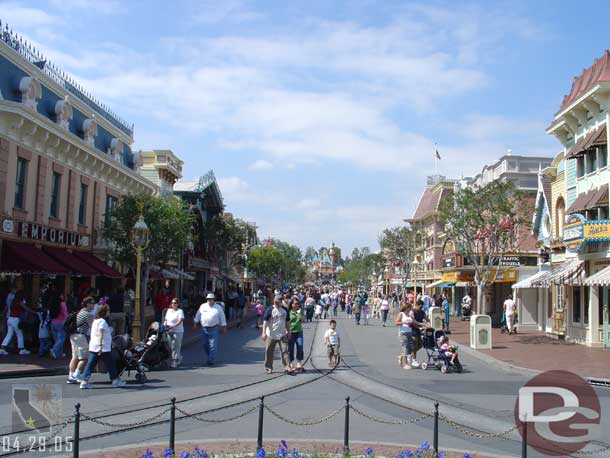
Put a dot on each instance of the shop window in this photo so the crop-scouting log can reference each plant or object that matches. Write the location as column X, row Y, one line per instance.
column 576, row 304
column 82, row 207
column 110, row 204
column 55, row 184
column 586, row 306
column 22, row 168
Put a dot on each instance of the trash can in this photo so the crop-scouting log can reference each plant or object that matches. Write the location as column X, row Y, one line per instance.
column 435, row 314
column 480, row 332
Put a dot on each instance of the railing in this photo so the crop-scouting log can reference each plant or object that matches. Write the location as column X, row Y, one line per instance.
column 32, row 55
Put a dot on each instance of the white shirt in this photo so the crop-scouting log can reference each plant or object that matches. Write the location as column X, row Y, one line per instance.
column 172, row 317
column 385, row 305
column 210, row 316
column 332, row 335
column 510, row 306
column 407, row 323
column 99, row 329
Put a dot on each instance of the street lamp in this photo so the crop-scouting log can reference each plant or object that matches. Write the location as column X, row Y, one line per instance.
column 139, row 236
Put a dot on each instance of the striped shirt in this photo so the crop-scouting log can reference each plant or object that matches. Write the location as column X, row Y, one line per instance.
column 84, row 319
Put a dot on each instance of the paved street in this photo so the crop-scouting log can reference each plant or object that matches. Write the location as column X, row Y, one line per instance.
column 482, row 398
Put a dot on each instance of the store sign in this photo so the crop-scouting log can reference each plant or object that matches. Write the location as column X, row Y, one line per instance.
column 597, row 231
column 33, row 231
column 8, row 226
column 198, row 263
column 503, row 276
column 457, row 276
column 516, row 261
column 449, row 262
column 574, row 232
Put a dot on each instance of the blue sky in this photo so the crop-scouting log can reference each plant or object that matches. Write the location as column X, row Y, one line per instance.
column 320, row 118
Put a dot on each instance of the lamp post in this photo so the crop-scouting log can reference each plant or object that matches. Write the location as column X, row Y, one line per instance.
column 139, row 236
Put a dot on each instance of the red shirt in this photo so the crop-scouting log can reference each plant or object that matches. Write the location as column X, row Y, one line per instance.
column 162, row 301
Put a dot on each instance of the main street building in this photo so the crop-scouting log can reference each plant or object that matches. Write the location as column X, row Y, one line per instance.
column 65, row 160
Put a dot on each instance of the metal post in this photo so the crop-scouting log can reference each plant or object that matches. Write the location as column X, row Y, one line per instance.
column 76, row 438
column 136, row 333
column 435, row 438
column 261, row 412
column 524, row 440
column 346, row 429
column 172, row 426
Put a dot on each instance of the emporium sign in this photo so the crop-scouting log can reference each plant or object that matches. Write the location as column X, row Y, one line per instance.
column 43, row 233
column 578, row 231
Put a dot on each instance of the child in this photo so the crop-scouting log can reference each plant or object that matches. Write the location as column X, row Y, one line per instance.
column 367, row 312
column 332, row 341
column 258, row 308
column 318, row 312
column 44, row 331
column 448, row 350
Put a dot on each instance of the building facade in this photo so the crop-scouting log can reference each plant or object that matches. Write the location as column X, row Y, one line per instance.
column 65, row 161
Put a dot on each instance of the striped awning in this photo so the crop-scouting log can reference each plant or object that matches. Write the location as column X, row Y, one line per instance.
column 570, row 272
column 601, row 278
column 529, row 281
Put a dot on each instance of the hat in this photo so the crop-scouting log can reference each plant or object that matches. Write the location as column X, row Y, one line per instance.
column 210, row 296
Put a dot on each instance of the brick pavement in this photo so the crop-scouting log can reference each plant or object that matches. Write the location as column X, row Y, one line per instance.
column 535, row 350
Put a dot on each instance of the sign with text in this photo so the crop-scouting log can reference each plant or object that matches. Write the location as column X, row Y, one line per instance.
column 574, row 232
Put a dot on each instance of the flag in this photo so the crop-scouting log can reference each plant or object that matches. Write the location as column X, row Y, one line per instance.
column 437, row 154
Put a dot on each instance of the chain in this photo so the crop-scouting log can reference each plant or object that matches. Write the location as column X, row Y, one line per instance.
column 224, row 420
column 406, row 421
column 124, row 425
column 304, row 422
column 470, row 433
column 593, row 452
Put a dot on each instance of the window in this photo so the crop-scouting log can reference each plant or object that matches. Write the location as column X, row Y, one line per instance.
column 82, row 207
column 110, row 204
column 602, row 156
column 55, row 183
column 591, row 160
column 576, row 304
column 602, row 213
column 603, row 295
column 586, row 306
column 22, row 168
column 580, row 166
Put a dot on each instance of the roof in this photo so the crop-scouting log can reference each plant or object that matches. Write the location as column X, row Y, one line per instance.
column 429, row 201
column 594, row 137
column 186, row 186
column 597, row 73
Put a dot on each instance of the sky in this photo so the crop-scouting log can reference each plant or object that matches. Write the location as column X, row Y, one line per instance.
column 320, row 118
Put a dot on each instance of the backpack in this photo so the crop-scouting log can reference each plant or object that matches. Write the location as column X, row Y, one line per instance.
column 70, row 323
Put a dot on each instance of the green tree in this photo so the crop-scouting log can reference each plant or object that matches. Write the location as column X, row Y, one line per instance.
column 265, row 262
column 399, row 244
column 292, row 269
column 487, row 223
column 226, row 235
column 360, row 271
column 169, row 223
column 310, row 253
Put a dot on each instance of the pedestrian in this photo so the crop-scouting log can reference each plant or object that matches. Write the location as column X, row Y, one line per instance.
column 509, row 309
column 78, row 339
column 174, row 325
column 445, row 308
column 117, row 312
column 258, row 309
column 100, row 348
column 384, row 309
column 13, row 314
column 420, row 321
column 348, row 305
column 357, row 308
column 319, row 310
column 366, row 312
column 211, row 317
column 310, row 304
column 59, row 313
column 404, row 320
column 276, row 330
column 44, row 331
column 426, row 300
column 162, row 302
column 325, row 301
column 296, row 334
column 333, row 344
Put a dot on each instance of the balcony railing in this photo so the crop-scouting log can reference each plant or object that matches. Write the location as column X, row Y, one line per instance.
column 32, row 55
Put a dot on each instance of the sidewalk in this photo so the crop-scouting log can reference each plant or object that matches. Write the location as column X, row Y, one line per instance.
column 536, row 351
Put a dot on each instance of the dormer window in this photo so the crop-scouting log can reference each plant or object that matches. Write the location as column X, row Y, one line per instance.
column 89, row 131
column 30, row 92
column 63, row 113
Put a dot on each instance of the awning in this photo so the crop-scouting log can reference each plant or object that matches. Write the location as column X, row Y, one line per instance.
column 600, row 197
column 570, row 272
column 435, row 284
column 100, row 266
column 582, row 201
column 25, row 258
column 529, row 282
column 170, row 274
column 593, row 138
column 463, row 284
column 447, row 284
column 601, row 278
column 74, row 264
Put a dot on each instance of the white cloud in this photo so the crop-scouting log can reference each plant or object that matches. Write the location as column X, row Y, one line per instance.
column 308, row 203
column 106, row 7
column 261, row 164
column 21, row 18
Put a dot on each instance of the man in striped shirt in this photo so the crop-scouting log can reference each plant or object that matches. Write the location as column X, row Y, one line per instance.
column 79, row 340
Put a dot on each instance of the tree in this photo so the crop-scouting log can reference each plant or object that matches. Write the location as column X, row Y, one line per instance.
column 169, row 223
column 226, row 234
column 358, row 271
column 486, row 222
column 310, row 253
column 398, row 244
column 292, row 269
column 265, row 261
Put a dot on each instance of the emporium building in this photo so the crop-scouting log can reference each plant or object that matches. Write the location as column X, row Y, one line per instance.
column 65, row 160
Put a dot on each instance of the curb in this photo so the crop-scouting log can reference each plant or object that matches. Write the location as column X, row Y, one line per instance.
column 496, row 362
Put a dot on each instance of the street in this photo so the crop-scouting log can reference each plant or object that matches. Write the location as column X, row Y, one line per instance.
column 481, row 399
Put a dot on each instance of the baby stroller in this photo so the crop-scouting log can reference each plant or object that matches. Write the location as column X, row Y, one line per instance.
column 445, row 362
column 152, row 352
column 429, row 343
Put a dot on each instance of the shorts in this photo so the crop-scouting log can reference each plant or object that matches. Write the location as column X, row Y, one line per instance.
column 80, row 347
column 407, row 343
column 332, row 350
column 417, row 345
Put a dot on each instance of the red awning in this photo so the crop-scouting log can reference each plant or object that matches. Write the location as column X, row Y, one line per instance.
column 73, row 263
column 100, row 266
column 27, row 259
